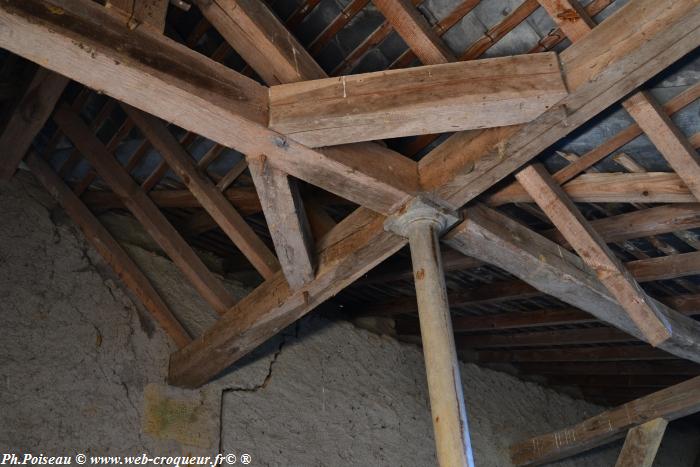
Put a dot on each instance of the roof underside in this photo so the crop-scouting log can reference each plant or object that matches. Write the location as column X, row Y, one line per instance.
column 348, row 37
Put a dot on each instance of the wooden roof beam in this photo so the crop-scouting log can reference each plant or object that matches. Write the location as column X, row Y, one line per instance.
column 154, row 222
column 429, row 99
column 667, row 138
column 110, row 249
column 262, row 40
column 592, row 248
column 670, row 404
column 81, row 40
column 413, row 28
column 211, row 198
column 494, row 238
column 649, row 187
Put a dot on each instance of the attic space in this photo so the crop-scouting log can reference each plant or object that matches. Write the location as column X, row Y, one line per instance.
column 449, row 233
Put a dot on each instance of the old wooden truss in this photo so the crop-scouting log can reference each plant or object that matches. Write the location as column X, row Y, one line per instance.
column 308, row 126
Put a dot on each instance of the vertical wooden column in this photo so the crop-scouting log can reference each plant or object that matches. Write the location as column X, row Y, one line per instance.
column 422, row 223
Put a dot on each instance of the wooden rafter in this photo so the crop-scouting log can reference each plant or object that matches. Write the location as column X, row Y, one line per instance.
column 668, row 139
column 210, row 287
column 410, row 24
column 671, row 403
column 590, row 246
column 109, row 248
column 650, row 187
column 213, row 201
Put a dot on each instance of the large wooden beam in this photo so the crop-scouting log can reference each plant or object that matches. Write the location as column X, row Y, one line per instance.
column 590, row 246
column 408, row 22
column 212, row 200
column 353, row 247
column 109, row 248
column 639, row 40
column 671, row 403
column 413, row 101
column 494, row 238
column 28, row 118
column 642, row 443
column 286, row 220
column 81, row 40
column 209, row 286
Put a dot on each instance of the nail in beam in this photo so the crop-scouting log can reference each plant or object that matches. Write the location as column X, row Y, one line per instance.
column 422, row 222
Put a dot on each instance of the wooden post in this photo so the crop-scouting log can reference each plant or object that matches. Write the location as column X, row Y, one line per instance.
column 421, row 223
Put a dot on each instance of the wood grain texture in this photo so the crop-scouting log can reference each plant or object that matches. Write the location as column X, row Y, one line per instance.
column 28, row 117
column 633, row 44
column 286, row 220
column 210, row 197
column 671, row 403
column 410, row 24
column 592, row 248
column 109, row 249
column 642, row 443
column 667, row 138
column 81, row 40
column 494, row 238
column 154, row 222
column 429, row 99
column 650, row 187
column 262, row 40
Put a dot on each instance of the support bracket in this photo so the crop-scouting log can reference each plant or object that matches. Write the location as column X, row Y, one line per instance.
column 421, row 209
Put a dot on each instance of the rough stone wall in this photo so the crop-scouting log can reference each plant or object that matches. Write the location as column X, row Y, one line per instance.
column 78, row 355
